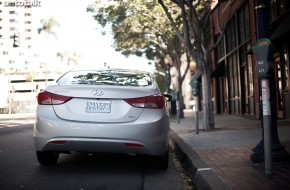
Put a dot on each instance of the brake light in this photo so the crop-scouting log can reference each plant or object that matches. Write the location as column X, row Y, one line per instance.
column 134, row 145
column 57, row 142
column 155, row 101
column 46, row 98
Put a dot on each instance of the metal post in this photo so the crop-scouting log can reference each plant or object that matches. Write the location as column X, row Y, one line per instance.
column 169, row 107
column 266, row 107
column 195, row 110
column 279, row 154
column 178, row 111
column 9, row 95
column 45, row 75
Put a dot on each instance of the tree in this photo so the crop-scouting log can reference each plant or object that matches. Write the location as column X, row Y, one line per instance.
column 47, row 28
column 194, row 35
column 69, row 57
column 30, row 77
column 141, row 28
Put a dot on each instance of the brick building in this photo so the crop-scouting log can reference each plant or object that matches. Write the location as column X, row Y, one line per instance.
column 235, row 80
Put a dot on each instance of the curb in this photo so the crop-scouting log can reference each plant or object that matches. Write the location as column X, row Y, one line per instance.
column 202, row 176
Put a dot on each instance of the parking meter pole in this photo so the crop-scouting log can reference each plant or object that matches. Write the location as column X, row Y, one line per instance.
column 266, row 107
column 195, row 110
column 265, row 69
column 195, row 85
column 169, row 108
column 178, row 111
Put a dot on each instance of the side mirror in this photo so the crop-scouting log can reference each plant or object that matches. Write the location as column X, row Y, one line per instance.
column 168, row 97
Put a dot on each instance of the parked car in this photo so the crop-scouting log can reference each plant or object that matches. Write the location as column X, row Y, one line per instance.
column 104, row 110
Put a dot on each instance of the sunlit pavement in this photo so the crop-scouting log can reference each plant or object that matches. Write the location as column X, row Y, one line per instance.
column 220, row 159
column 14, row 120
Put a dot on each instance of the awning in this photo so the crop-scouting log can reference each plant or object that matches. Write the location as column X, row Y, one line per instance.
column 283, row 28
column 219, row 70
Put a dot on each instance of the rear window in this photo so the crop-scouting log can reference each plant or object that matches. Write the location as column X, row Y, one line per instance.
column 107, row 77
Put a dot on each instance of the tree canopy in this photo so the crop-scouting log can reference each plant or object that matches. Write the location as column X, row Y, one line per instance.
column 140, row 27
column 47, row 27
column 164, row 30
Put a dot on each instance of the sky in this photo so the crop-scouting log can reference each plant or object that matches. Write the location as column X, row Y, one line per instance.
column 80, row 32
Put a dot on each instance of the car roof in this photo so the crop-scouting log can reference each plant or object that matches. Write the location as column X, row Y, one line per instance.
column 111, row 69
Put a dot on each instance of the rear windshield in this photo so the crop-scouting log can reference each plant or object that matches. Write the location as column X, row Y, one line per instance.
column 107, row 77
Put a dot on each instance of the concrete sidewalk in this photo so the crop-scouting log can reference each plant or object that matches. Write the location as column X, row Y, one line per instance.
column 15, row 120
column 220, row 159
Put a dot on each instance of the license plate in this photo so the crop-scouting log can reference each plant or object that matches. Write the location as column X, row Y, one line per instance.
column 98, row 106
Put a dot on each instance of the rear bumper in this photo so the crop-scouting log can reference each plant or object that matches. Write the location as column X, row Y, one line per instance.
column 147, row 135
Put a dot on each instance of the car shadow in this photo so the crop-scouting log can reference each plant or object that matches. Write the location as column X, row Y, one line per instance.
column 100, row 163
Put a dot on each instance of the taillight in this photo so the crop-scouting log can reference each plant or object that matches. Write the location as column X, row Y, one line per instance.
column 155, row 101
column 46, row 98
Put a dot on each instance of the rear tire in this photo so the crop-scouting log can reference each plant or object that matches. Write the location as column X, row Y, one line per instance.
column 161, row 162
column 47, row 157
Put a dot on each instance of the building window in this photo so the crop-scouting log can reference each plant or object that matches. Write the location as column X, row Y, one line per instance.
column 239, row 70
column 231, row 35
column 220, row 51
column 250, row 76
column 286, row 59
column 276, row 9
column 244, row 24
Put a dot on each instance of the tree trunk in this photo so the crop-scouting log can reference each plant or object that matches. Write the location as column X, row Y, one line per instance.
column 180, row 98
column 208, row 117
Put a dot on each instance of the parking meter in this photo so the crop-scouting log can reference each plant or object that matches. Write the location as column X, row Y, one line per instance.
column 263, row 53
column 195, row 85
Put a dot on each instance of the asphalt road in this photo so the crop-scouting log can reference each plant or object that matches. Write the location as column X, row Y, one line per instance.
column 19, row 168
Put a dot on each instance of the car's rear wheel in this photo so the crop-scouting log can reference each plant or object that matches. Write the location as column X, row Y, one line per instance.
column 47, row 157
column 161, row 162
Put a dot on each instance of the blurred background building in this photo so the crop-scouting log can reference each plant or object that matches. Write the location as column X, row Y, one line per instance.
column 22, row 73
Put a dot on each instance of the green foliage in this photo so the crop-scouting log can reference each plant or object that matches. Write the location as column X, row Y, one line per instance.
column 139, row 27
column 161, row 81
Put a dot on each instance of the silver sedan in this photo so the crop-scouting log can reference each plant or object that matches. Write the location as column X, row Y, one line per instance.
column 105, row 110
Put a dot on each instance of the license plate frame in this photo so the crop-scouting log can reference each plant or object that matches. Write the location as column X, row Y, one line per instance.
column 98, row 106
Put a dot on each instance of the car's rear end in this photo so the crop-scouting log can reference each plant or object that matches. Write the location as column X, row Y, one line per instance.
column 116, row 111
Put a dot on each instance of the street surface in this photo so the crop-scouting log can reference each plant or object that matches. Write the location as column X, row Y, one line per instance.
column 19, row 168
